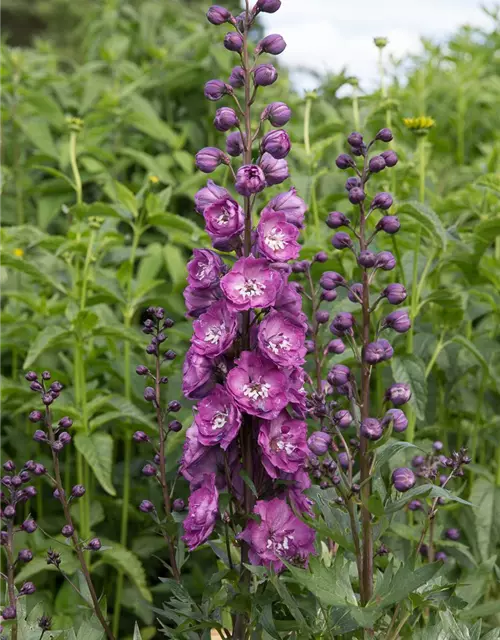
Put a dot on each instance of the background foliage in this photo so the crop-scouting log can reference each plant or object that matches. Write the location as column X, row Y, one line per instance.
column 78, row 269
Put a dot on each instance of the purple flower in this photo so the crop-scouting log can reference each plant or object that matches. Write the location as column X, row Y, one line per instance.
column 234, row 144
column 225, row 118
column 197, row 374
column 291, row 205
column 218, row 15
column 279, row 534
column 398, row 320
column 209, row 158
column 403, row 479
column 275, row 171
column 218, row 419
column 276, row 143
column 273, row 44
column 251, row 284
column 205, row 269
column 224, row 220
column 214, row 331
column 200, row 300
column 319, row 442
column 203, row 511
column 250, row 179
column 216, row 89
column 371, row 429
column 378, row 351
column 395, row 293
column 258, row 386
column 237, row 77
column 398, row 394
column 289, row 301
column 264, row 75
column 278, row 114
column 208, row 195
column 398, row 419
column 277, row 238
column 281, row 339
column 233, row 42
column 283, row 444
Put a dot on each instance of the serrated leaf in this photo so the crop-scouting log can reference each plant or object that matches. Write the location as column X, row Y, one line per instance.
column 122, row 559
column 90, row 630
column 330, row 585
column 395, row 505
column 22, row 265
column 46, row 339
column 490, row 181
column 405, row 581
column 428, row 218
column 97, row 449
column 126, row 198
column 411, row 370
column 391, row 449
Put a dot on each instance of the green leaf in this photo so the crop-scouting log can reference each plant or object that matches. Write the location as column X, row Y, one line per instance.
column 490, row 181
column 141, row 115
column 54, row 172
column 391, row 449
column 126, row 198
column 22, row 265
column 405, row 581
column 176, row 264
column 330, row 585
column 483, row 497
column 485, row 233
column 46, row 339
column 249, row 482
column 411, row 370
column 90, row 630
column 467, row 344
column 38, row 132
column 120, row 333
column 395, row 505
column 427, row 217
column 124, row 560
column 97, row 449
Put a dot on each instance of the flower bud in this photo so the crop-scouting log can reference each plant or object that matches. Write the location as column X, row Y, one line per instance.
column 395, row 293
column 64, row 438
column 175, row 426
column 27, row 589
column 330, row 280
column 216, row 89
column 29, row 526
column 336, row 219
column 250, row 179
column 233, row 42
column 371, row 429
column 417, row 461
column 367, row 259
column 378, row 351
column 46, row 375
column 336, row 346
column 344, row 460
column 47, row 399
column 356, row 195
column 174, row 406
column 25, row 555
column 148, row 470
column 273, row 44
column 438, row 445
column 149, row 394
column 441, row 556
column 329, row 296
column 225, row 119
column 16, row 481
column 78, row 491
column 9, row 613
column 36, row 386
column 39, row 436
column 9, row 466
column 398, row 320
column 355, row 139
column 56, row 387
column 319, row 443
column 141, row 370
column 140, row 436
column 264, row 75
column 339, row 375
column 93, row 545
column 322, row 317
column 25, row 476
column 67, row 531
column 9, row 512
column 209, row 158
column 237, row 77
column 403, row 479
column 218, row 15
column 389, row 224
column 310, row 346
column 376, row 164
column 385, row 260
column 275, row 171
column 397, row 418
column 342, row 323
column 65, row 423
column 170, row 355
column 268, row 6
column 341, row 240
column 278, row 114
column 351, row 183
column 355, row 292
column 384, row 134
column 178, row 505
column 146, row 506
column 276, row 143
column 31, row 376
column 390, row 157
column 398, row 393
column 35, row 416
column 415, row 505
column 381, row 201
column 321, row 257
column 344, row 161
column 234, row 144
column 39, row 469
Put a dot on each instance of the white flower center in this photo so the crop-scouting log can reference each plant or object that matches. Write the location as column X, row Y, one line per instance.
column 219, row 421
column 256, row 390
column 287, row 447
column 251, row 288
column 223, row 219
column 279, row 343
column 213, row 334
column 275, row 239
column 279, row 548
column 202, row 271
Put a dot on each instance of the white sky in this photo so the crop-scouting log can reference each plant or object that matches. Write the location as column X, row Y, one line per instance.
column 331, row 34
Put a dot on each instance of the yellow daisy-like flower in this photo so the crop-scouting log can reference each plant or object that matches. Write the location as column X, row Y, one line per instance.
column 420, row 125
column 19, row 253
column 154, row 179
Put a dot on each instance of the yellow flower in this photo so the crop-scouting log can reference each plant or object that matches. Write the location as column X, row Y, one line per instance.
column 419, row 125
column 154, row 179
column 19, row 253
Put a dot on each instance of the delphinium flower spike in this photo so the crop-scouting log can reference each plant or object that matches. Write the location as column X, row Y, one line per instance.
column 57, row 437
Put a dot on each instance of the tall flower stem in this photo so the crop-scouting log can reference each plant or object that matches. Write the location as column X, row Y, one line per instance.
column 69, row 521
column 307, row 148
column 10, row 573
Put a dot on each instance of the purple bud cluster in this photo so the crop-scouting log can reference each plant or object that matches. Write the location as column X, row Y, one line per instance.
column 244, row 366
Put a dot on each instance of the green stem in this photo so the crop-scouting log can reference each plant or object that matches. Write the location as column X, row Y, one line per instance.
column 355, row 109
column 74, row 167
column 477, row 419
column 307, row 122
column 307, row 147
column 86, row 269
column 439, row 347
